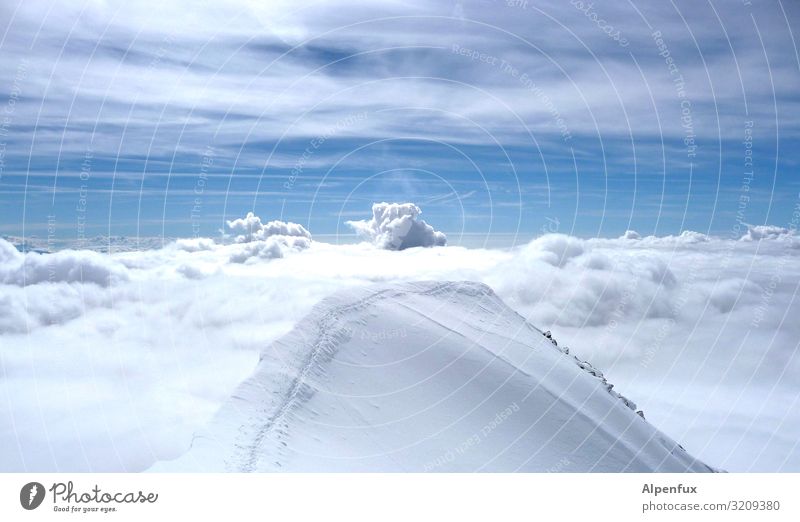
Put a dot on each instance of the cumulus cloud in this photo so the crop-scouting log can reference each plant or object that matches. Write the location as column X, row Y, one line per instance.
column 256, row 240
column 632, row 238
column 272, row 247
column 555, row 249
column 70, row 266
column 196, row 244
column 759, row 232
column 250, row 228
column 685, row 237
column 8, row 252
column 253, row 241
column 395, row 226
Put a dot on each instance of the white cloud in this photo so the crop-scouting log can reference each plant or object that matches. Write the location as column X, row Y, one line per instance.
column 395, row 226
column 250, row 228
column 270, row 248
column 257, row 240
column 70, row 266
column 555, row 249
column 759, row 232
column 196, row 244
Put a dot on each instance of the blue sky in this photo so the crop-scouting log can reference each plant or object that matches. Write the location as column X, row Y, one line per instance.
column 500, row 119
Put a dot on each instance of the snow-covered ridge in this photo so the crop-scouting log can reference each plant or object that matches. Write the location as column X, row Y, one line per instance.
column 426, row 376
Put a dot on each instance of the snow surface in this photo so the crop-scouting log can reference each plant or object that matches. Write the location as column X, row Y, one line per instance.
column 426, row 376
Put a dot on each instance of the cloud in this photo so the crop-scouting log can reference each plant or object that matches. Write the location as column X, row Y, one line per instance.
column 685, row 238
column 351, row 45
column 395, row 226
column 272, row 247
column 257, row 240
column 250, row 228
column 70, row 266
column 555, row 249
column 196, row 244
column 759, row 232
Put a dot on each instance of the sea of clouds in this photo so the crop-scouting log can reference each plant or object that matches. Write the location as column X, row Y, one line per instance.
column 111, row 362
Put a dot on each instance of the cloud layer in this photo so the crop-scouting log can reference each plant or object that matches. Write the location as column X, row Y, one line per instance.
column 113, row 362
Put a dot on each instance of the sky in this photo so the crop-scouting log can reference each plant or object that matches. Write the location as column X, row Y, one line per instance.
column 500, row 119
column 218, row 168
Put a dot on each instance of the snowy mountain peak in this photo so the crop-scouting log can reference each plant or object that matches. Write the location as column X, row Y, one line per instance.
column 426, row 376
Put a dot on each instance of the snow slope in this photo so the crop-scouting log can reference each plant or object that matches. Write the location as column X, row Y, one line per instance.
column 426, row 376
